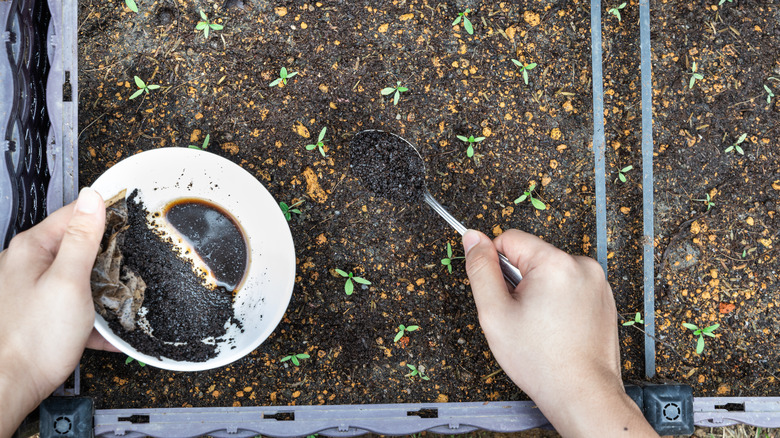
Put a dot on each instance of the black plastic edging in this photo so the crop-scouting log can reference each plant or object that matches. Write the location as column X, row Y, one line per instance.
column 648, row 239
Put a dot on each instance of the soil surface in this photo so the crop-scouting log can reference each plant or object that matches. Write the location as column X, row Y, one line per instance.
column 458, row 84
column 388, row 166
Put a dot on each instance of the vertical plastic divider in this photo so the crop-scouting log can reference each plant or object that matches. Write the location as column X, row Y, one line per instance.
column 598, row 133
column 648, row 239
column 8, row 96
column 62, row 142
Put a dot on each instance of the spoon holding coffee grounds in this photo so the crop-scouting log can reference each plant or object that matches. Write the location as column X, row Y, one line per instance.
column 392, row 167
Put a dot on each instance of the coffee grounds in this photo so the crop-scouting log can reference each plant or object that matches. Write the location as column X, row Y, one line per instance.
column 388, row 166
column 180, row 308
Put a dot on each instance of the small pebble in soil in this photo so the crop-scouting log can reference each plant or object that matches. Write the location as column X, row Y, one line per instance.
column 388, row 166
column 234, row 4
column 164, row 16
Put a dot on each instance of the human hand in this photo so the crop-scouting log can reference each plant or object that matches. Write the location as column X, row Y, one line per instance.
column 46, row 310
column 555, row 334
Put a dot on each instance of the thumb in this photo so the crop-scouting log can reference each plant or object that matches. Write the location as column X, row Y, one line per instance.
column 487, row 281
column 81, row 239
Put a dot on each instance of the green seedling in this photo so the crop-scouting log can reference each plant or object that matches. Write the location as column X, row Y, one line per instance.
column 295, row 358
column 694, row 75
column 204, row 145
column 769, row 94
column 398, row 89
column 349, row 287
column 622, row 173
column 130, row 359
column 283, row 77
column 288, row 210
column 537, row 203
column 524, row 68
column 205, row 25
column 142, row 86
column 466, row 22
column 735, row 147
column 448, row 261
column 707, row 200
column 131, row 5
column 637, row 320
column 402, row 330
column 470, row 140
column 701, row 332
column 616, row 11
column 720, row 3
column 416, row 372
column 320, row 145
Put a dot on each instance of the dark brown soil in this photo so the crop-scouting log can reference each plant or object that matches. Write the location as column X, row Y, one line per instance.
column 459, row 84
column 388, row 166
column 180, row 308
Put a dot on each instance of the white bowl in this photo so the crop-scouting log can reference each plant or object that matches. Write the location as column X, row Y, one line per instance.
column 167, row 174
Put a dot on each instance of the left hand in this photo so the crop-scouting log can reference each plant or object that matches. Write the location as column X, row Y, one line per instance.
column 46, row 310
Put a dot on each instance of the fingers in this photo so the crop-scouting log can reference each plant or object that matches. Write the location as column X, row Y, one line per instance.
column 96, row 341
column 525, row 250
column 487, row 281
column 80, row 240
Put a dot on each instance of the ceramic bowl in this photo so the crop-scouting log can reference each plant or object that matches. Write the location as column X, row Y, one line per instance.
column 164, row 175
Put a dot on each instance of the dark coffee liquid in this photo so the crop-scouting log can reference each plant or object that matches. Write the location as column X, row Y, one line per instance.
column 215, row 236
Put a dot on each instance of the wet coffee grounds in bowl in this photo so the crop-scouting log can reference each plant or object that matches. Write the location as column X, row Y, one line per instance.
column 388, row 166
column 181, row 311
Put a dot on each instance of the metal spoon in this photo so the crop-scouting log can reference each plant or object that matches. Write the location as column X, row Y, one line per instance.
column 511, row 274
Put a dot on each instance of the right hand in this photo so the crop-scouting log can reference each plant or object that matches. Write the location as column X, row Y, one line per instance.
column 555, row 334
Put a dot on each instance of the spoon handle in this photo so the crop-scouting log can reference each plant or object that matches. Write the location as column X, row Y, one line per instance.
column 511, row 274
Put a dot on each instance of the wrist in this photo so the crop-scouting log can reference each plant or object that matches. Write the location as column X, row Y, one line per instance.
column 17, row 398
column 595, row 407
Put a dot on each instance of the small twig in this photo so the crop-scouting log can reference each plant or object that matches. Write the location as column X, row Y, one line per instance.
column 493, row 374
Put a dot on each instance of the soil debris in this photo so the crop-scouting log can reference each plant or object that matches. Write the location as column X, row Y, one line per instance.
column 388, row 166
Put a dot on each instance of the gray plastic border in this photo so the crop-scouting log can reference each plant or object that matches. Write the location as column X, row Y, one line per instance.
column 648, row 210
column 393, row 419
column 336, row 421
column 599, row 142
column 62, row 142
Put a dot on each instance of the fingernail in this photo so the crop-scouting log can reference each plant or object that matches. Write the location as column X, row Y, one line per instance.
column 470, row 239
column 88, row 201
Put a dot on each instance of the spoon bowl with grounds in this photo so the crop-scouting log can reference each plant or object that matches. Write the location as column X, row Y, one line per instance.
column 393, row 168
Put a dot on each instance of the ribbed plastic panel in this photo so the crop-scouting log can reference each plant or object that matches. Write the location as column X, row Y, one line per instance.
column 38, row 143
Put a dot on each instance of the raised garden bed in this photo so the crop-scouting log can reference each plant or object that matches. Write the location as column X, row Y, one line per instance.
column 458, row 85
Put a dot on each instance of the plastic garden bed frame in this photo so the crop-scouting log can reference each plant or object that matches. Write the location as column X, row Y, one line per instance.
column 39, row 172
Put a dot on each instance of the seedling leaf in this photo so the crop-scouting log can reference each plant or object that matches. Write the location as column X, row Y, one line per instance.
column 467, row 25
column 136, row 94
column 131, row 5
column 538, row 204
column 361, row 280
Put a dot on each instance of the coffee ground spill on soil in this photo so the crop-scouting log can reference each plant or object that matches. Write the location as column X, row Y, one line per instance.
column 180, row 308
column 388, row 166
